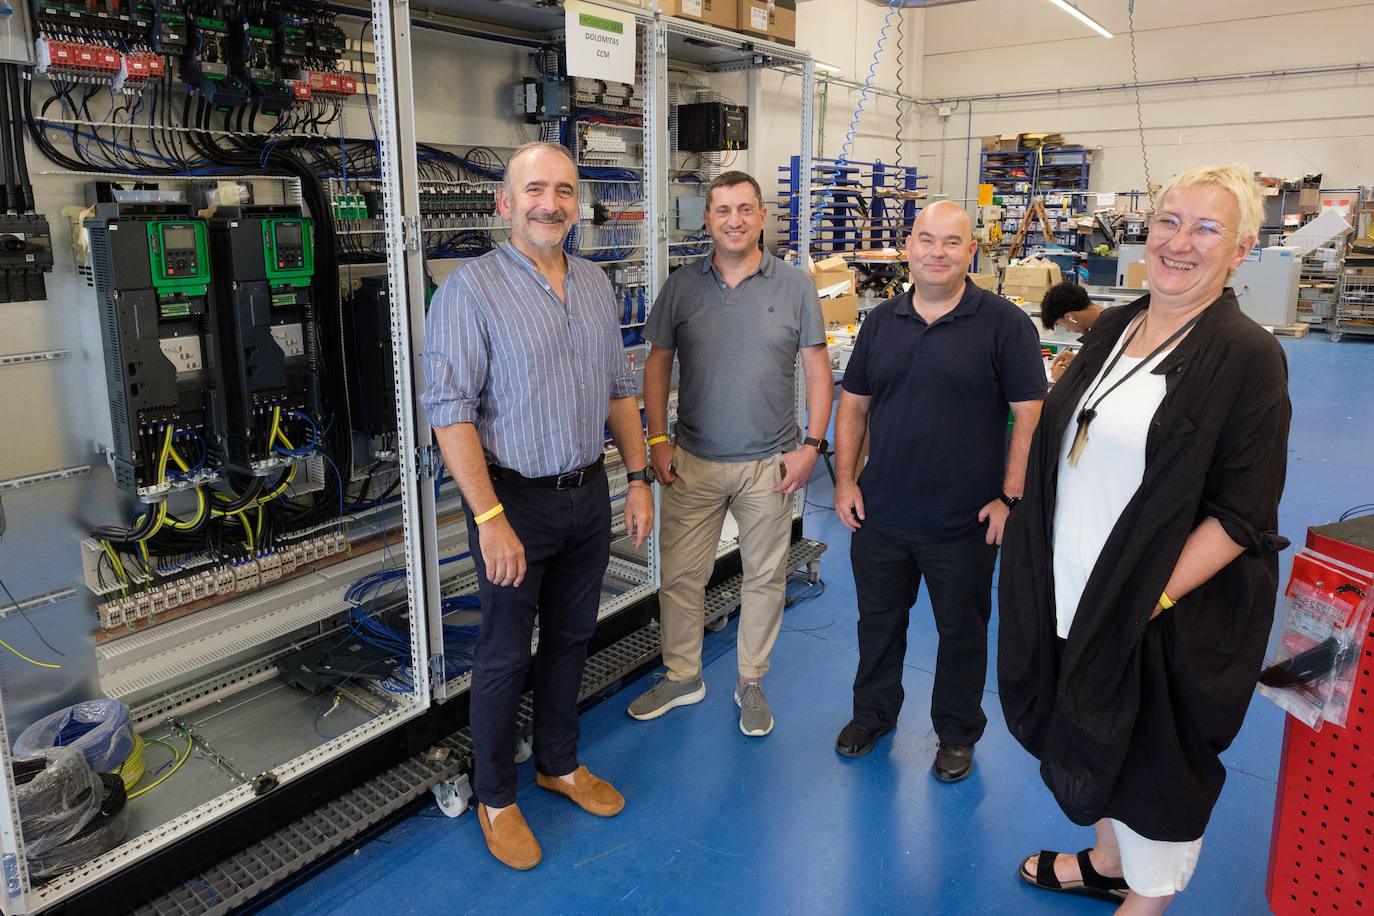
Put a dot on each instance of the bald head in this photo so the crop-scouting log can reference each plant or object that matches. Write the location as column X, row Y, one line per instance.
column 945, row 217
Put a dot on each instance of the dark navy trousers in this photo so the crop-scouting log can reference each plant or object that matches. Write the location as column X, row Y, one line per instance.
column 887, row 573
column 567, row 540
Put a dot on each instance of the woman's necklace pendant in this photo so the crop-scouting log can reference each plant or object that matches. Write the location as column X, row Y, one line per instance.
column 1080, row 439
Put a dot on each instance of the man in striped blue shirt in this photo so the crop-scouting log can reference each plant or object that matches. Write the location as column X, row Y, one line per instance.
column 525, row 367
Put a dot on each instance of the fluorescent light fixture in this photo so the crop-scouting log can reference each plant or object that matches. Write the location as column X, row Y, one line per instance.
column 827, row 68
column 1082, row 17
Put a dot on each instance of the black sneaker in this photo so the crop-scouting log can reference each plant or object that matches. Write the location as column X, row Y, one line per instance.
column 953, row 762
column 855, row 740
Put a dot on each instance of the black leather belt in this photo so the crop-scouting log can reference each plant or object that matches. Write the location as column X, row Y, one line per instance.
column 565, row 481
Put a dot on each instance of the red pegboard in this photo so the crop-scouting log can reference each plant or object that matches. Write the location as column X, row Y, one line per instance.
column 1321, row 856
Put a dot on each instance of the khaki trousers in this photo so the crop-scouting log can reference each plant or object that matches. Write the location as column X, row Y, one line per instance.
column 693, row 511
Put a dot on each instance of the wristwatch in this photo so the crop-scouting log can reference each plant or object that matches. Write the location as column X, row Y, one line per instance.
column 1009, row 501
column 646, row 475
column 820, row 444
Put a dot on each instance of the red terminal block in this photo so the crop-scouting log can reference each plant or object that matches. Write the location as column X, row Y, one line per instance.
column 301, row 89
column 70, row 58
column 141, row 67
column 323, row 82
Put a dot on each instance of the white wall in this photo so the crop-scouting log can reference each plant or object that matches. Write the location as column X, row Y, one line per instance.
column 844, row 34
column 1283, row 125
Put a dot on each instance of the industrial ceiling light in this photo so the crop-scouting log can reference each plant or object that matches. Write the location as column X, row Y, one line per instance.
column 1082, row 17
column 827, row 68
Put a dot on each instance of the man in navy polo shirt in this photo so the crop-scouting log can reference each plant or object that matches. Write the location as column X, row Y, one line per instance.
column 931, row 376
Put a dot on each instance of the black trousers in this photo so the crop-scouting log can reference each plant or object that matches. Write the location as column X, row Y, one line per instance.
column 887, row 575
column 567, row 540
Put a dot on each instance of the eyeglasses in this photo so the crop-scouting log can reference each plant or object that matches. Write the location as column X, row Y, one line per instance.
column 1204, row 233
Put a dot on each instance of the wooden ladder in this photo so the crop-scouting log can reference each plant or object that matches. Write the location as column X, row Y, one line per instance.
column 1034, row 210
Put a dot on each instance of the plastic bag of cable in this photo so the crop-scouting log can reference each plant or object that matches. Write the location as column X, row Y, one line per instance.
column 1325, row 622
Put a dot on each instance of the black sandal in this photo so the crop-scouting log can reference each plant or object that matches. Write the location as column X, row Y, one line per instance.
column 1108, row 890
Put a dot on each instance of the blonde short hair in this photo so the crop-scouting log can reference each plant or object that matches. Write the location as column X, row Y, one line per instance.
column 1235, row 177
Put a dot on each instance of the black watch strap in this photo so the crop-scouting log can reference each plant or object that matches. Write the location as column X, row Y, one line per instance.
column 646, row 475
column 819, row 444
column 1009, row 501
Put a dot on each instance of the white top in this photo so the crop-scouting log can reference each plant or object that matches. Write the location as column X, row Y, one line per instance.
column 1091, row 496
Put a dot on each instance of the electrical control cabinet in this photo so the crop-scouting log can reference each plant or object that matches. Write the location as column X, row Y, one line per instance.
column 152, row 278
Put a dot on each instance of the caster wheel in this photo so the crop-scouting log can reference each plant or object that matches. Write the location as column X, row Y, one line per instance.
column 523, row 750
column 453, row 795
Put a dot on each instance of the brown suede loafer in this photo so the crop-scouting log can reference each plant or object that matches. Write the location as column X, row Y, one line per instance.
column 591, row 794
column 510, row 840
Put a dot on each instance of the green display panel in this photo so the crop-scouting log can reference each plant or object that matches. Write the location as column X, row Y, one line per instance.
column 179, row 257
column 287, row 251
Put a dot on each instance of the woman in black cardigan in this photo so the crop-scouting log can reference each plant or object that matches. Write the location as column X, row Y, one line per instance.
column 1140, row 570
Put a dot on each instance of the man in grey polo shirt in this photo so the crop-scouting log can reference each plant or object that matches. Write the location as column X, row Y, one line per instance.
column 736, row 321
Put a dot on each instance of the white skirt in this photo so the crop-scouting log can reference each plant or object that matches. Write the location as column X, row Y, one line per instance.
column 1155, row 868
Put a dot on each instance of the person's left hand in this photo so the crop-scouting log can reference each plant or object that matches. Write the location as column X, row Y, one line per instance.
column 995, row 514
column 1060, row 363
column 639, row 512
column 797, row 465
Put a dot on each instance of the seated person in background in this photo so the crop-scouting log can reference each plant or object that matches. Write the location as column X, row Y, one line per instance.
column 1068, row 306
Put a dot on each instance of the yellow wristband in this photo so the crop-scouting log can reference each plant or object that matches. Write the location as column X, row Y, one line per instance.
column 489, row 514
column 1165, row 601
column 661, row 437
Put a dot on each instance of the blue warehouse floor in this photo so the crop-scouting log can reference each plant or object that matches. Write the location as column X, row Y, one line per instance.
column 719, row 823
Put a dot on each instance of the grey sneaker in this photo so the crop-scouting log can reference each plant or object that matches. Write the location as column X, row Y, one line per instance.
column 754, row 718
column 667, row 694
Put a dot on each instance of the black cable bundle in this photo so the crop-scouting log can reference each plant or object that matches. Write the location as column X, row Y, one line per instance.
column 10, row 198
column 102, row 833
column 57, row 796
column 1322, row 660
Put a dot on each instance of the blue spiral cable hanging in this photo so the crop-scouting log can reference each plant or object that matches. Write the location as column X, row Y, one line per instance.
column 829, row 192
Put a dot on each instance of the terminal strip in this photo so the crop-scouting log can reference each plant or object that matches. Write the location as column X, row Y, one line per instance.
column 219, row 582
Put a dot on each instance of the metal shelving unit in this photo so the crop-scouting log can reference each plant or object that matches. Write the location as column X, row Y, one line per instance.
column 1354, row 312
column 1022, row 177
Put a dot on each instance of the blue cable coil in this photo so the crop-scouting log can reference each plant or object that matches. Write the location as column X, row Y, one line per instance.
column 834, row 179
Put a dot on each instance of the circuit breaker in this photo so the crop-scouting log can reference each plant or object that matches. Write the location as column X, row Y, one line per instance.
column 25, row 255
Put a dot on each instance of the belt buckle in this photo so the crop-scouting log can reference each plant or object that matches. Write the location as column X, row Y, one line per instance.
column 568, row 480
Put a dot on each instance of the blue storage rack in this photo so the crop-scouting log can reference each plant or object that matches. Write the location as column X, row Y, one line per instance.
column 854, row 216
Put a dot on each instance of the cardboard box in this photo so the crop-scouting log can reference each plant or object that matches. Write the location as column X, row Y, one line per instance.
column 842, row 310
column 719, row 13
column 1135, row 275
column 1359, row 272
column 829, row 279
column 984, row 281
column 1030, row 280
column 775, row 20
column 1310, row 197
